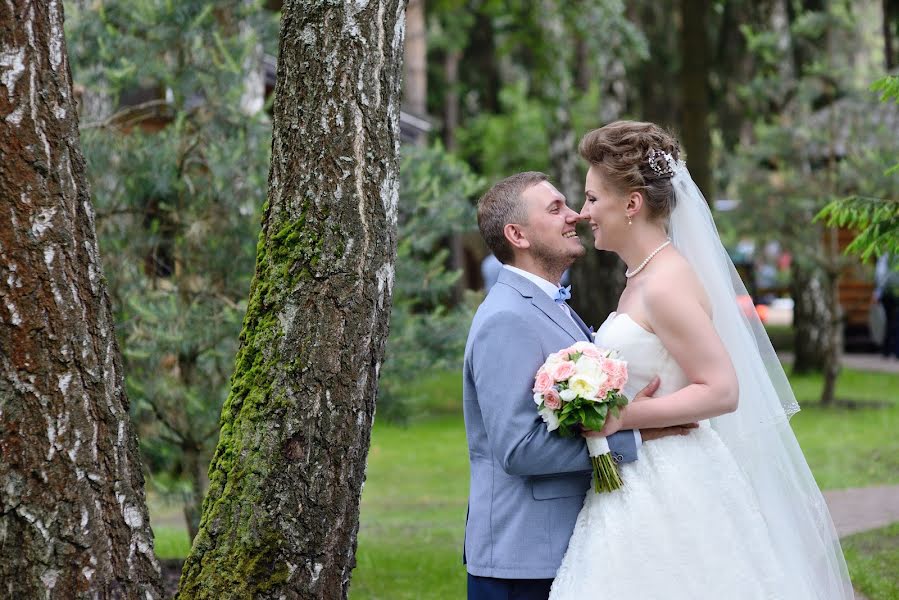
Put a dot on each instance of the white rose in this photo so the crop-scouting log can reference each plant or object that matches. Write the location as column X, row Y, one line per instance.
column 538, row 398
column 550, row 418
column 581, row 346
column 552, row 360
column 568, row 395
column 584, row 385
column 592, row 368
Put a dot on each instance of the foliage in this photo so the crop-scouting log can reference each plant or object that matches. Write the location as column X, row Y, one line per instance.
column 517, row 138
column 428, row 323
column 876, row 218
column 510, row 85
column 178, row 182
column 873, row 559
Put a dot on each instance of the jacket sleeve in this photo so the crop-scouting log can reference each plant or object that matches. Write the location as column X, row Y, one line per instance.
column 505, row 356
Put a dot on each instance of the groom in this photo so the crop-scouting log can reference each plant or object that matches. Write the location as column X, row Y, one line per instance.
column 527, row 484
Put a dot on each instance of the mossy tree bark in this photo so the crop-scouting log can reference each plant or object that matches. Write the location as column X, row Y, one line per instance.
column 73, row 519
column 280, row 518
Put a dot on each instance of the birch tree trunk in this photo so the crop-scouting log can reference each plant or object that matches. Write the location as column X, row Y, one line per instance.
column 73, row 519
column 281, row 515
column 810, row 313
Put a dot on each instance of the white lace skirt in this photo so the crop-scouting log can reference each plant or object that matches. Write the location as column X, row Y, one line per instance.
column 684, row 526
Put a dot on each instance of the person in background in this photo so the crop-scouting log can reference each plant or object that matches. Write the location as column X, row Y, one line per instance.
column 490, row 270
column 886, row 291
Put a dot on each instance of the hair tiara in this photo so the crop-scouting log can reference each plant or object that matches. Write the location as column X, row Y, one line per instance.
column 661, row 163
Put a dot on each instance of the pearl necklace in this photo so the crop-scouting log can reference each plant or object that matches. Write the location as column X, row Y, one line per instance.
column 645, row 262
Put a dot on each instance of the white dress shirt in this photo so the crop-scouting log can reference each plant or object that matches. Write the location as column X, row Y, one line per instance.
column 547, row 286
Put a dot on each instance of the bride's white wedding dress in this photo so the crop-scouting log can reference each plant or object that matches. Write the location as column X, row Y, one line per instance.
column 686, row 523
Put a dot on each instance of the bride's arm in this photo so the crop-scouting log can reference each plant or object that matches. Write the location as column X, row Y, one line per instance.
column 678, row 317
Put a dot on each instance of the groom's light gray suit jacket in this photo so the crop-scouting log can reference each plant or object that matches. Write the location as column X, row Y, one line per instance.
column 527, row 484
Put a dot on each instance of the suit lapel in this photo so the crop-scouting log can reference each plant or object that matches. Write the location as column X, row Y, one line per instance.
column 582, row 325
column 543, row 303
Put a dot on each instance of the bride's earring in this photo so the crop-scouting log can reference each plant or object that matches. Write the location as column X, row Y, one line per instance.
column 629, row 221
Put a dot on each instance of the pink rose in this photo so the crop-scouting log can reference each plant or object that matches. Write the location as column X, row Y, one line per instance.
column 551, row 399
column 604, row 389
column 617, row 371
column 563, row 370
column 543, row 382
column 591, row 351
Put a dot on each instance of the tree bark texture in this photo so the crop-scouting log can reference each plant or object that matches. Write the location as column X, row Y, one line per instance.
column 281, row 515
column 73, row 518
column 890, row 33
column 695, row 70
column 451, row 98
column 813, row 316
column 657, row 95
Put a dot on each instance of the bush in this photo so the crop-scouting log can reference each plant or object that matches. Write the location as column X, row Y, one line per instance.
column 429, row 322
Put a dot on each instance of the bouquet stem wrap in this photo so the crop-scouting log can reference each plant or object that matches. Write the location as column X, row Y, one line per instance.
column 605, row 472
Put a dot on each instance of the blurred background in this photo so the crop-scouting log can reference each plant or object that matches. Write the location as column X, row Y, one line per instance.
column 772, row 101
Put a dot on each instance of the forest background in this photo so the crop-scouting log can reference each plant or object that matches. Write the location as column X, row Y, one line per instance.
column 772, row 100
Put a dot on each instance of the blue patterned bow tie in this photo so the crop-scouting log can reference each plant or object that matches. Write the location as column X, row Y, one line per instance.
column 562, row 294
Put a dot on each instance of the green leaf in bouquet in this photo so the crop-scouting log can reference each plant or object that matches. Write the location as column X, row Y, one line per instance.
column 593, row 421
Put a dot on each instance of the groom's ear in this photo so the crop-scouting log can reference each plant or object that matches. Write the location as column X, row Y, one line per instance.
column 515, row 236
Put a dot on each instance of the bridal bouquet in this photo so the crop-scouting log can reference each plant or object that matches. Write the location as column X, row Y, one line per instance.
column 576, row 388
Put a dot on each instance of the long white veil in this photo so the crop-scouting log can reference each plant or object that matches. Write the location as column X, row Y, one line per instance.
column 758, row 433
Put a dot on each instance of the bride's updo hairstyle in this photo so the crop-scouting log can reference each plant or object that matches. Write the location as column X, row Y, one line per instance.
column 630, row 155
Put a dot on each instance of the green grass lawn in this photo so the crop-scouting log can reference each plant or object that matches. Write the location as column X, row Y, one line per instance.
column 414, row 501
column 873, row 558
column 850, row 447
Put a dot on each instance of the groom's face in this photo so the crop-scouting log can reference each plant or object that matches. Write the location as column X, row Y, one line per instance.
column 550, row 228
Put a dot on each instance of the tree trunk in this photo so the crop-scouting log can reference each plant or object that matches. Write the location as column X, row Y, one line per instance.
column 194, row 467
column 481, row 60
column 890, row 33
column 415, row 79
column 597, row 282
column 73, row 518
column 597, row 279
column 657, row 96
column 832, row 340
column 810, row 316
column 694, row 80
column 451, row 98
column 282, row 512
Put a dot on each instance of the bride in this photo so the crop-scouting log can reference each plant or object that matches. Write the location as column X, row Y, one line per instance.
column 730, row 510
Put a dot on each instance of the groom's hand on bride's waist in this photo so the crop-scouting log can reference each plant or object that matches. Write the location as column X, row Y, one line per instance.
column 660, row 432
column 654, row 434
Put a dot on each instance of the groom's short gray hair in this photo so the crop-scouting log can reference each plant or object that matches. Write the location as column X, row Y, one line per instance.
column 501, row 205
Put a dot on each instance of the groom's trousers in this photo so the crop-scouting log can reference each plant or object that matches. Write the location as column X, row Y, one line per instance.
column 490, row 588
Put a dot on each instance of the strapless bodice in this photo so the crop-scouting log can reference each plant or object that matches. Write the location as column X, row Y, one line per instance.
column 644, row 352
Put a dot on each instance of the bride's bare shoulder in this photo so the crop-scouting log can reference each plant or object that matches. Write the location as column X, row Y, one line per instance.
column 674, row 279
